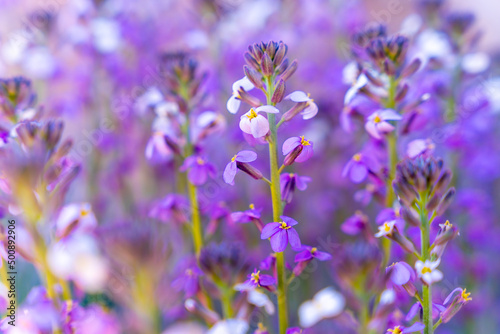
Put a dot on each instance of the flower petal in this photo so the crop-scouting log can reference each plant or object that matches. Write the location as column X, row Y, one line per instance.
column 244, row 83
column 293, row 238
column 233, row 104
column 279, row 241
column 230, row 172
column 269, row 230
column 245, row 125
column 246, row 156
column 310, row 111
column 290, row 144
column 322, row 256
column 358, row 172
column 390, row 115
column 370, row 128
column 267, row 108
column 259, row 126
column 298, row 96
column 289, row 221
column 266, row 280
column 306, row 154
column 303, row 256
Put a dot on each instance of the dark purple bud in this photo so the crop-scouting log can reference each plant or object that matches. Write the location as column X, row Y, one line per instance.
column 294, row 111
column 389, row 67
column 290, row 158
column 248, row 98
column 279, row 92
column 401, row 240
column 410, row 215
column 411, row 68
column 443, row 181
column 445, row 201
column 251, row 61
column 282, row 67
column 280, row 54
column 173, row 145
column 271, row 49
column 433, row 202
column 290, row 70
column 377, row 82
column 253, row 76
column 267, row 65
column 401, row 93
column 257, row 52
column 250, row 170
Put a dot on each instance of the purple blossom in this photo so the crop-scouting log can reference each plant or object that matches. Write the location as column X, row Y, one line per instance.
column 309, row 253
column 172, row 207
column 303, row 146
column 401, row 273
column 234, row 102
column 377, row 123
column 420, row 147
column 246, row 216
column 198, row 169
column 281, row 233
column 231, row 167
column 188, row 281
column 416, row 327
column 355, row 224
column 310, row 110
column 359, row 166
column 158, row 150
column 255, row 124
column 294, row 330
column 290, row 181
column 256, row 280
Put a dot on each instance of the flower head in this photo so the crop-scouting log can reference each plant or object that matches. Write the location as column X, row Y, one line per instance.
column 428, row 272
column 420, row 147
column 232, row 166
column 255, row 124
column 188, row 281
column 309, row 253
column 377, row 124
column 326, row 303
column 416, row 327
column 359, row 166
column 256, row 280
column 290, row 181
column 385, row 229
column 281, row 233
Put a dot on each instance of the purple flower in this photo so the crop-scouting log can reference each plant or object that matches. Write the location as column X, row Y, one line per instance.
column 255, row 124
column 377, row 124
column 281, row 233
column 198, row 170
column 294, row 330
column 171, row 208
column 246, row 216
column 416, row 327
column 298, row 147
column 420, row 147
column 309, row 253
column 310, row 110
column 291, row 181
column 456, row 304
column 355, row 224
column 232, row 166
column 359, row 166
column 160, row 148
column 188, row 281
column 256, row 279
column 400, row 273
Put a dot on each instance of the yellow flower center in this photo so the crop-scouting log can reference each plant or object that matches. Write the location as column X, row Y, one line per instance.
column 189, row 272
column 284, row 226
column 448, row 224
column 83, row 212
column 465, row 295
column 314, row 250
column 255, row 277
column 426, row 270
column 387, row 227
column 234, row 157
column 357, row 157
column 251, row 206
column 396, row 330
column 304, row 142
column 252, row 114
column 200, row 161
column 377, row 119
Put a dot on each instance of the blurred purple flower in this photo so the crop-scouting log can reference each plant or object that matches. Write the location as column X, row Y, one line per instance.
column 416, row 327
column 309, row 253
column 359, row 166
column 290, row 181
column 377, row 125
column 281, row 233
column 188, row 281
column 420, row 147
column 303, row 147
column 198, row 169
column 172, row 207
column 256, row 279
column 311, row 108
column 355, row 224
column 246, row 216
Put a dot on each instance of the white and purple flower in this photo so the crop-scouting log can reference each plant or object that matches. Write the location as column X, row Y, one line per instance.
column 377, row 123
column 234, row 102
column 232, row 166
column 198, row 170
column 255, row 124
column 428, row 272
column 310, row 110
column 297, row 149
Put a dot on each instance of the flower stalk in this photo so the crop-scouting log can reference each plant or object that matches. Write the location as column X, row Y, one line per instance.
column 425, row 255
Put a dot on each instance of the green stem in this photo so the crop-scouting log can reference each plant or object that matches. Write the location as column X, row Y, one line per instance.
column 426, row 290
column 277, row 211
column 195, row 217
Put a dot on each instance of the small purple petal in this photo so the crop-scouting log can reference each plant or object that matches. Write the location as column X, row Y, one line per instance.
column 298, row 96
column 230, row 173
column 293, row 238
column 303, row 256
column 358, row 172
column 307, row 152
column 266, row 280
column 301, row 182
column 246, row 156
column 279, row 241
column 269, row 230
column 268, row 109
column 289, row 221
column 390, row 115
column 322, row 256
column 290, row 144
column 416, row 327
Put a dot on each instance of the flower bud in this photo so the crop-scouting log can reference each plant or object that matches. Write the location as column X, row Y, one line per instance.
column 253, row 76
column 445, row 201
column 460, row 300
column 446, row 233
column 279, row 92
column 443, row 181
column 401, row 240
column 250, row 60
column 401, row 93
column 250, row 170
column 299, row 268
column 289, row 71
column 271, row 49
column 376, row 81
column 290, row 158
column 411, row 68
column 248, row 98
column 267, row 65
column 280, row 54
column 294, row 111
column 410, row 215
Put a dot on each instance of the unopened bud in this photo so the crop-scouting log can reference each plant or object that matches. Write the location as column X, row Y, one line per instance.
column 267, row 65
column 412, row 68
column 294, row 111
column 253, row 76
column 250, row 170
column 280, row 54
column 290, row 158
column 279, row 92
column 445, row 201
column 290, row 70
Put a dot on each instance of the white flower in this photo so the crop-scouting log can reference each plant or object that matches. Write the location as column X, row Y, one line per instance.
column 107, row 34
column 75, row 217
column 326, row 303
column 234, row 102
column 360, row 82
column 151, row 98
column 255, row 124
column 475, row 63
column 260, row 299
column 385, row 229
column 311, row 108
column 229, row 326
column 428, row 271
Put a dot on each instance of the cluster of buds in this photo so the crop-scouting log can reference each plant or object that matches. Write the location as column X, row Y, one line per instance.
column 388, row 53
column 16, row 98
column 423, row 178
column 226, row 261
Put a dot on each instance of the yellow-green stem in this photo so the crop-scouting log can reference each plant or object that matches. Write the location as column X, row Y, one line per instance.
column 195, row 218
column 277, row 211
column 426, row 290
